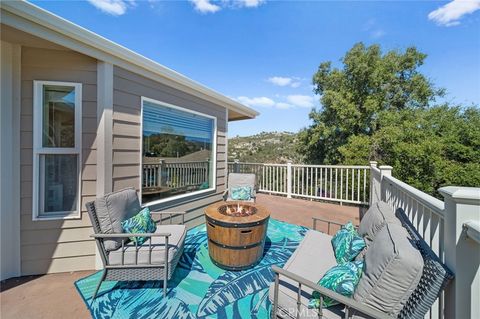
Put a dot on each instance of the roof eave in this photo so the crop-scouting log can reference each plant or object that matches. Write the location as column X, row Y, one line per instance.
column 58, row 24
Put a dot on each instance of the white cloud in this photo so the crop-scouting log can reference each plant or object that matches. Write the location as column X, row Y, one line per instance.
column 113, row 7
column 210, row 6
column 451, row 13
column 283, row 106
column 371, row 26
column 250, row 3
column 205, row 6
column 284, row 81
column 300, row 100
column 290, row 101
column 256, row 101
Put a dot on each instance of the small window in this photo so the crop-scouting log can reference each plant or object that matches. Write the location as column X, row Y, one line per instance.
column 178, row 152
column 57, row 112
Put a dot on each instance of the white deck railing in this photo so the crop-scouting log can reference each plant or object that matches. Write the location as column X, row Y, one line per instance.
column 344, row 184
column 451, row 227
column 178, row 174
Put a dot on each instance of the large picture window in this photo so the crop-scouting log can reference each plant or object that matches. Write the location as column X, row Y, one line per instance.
column 57, row 112
column 178, row 152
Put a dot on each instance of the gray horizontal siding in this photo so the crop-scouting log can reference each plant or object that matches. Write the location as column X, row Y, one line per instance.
column 128, row 91
column 58, row 245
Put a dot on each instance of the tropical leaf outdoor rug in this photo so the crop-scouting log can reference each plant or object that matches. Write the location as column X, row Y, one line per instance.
column 198, row 288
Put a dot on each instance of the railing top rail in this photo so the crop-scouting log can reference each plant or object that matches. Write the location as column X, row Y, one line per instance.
column 375, row 169
column 472, row 229
column 303, row 165
column 436, row 205
column 183, row 162
column 332, row 166
column 257, row 164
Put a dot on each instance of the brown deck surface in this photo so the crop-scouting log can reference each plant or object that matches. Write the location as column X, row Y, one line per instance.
column 55, row 296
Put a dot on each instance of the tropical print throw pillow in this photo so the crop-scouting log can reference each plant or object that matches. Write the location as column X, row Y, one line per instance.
column 347, row 243
column 241, row 193
column 342, row 279
column 140, row 223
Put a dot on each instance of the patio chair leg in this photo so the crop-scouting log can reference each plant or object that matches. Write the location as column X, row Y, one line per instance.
column 99, row 284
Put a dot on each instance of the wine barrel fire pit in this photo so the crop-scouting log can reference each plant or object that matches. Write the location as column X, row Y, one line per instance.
column 236, row 234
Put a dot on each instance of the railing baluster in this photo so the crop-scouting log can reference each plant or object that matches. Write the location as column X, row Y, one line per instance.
column 341, row 183
column 331, row 184
column 299, row 300
column 358, row 185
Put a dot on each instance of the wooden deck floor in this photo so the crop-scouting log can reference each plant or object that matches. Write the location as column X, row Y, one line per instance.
column 300, row 211
column 54, row 296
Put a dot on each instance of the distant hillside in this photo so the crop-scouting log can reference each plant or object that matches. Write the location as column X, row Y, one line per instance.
column 265, row 147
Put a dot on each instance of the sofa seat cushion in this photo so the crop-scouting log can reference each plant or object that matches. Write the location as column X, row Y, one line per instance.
column 112, row 209
column 377, row 216
column 175, row 243
column 287, row 302
column 313, row 257
column 393, row 267
column 311, row 260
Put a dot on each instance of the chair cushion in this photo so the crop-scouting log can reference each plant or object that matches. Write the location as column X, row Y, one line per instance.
column 375, row 218
column 241, row 193
column 393, row 267
column 140, row 223
column 175, row 242
column 347, row 243
column 342, row 279
column 314, row 253
column 112, row 209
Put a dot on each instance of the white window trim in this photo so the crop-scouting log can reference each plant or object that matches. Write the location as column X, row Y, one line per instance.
column 38, row 149
column 214, row 151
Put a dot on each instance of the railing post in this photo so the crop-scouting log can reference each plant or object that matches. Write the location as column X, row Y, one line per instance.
column 385, row 170
column 462, row 254
column 160, row 175
column 372, row 184
column 289, row 179
column 236, row 166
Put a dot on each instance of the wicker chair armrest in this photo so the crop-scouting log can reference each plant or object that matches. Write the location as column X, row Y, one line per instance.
column 127, row 235
column 348, row 302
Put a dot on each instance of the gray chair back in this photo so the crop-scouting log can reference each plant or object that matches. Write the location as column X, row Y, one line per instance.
column 238, row 180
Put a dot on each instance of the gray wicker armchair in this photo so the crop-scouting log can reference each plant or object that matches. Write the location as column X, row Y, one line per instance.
column 124, row 260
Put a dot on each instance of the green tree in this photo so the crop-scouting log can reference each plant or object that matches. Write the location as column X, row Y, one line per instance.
column 352, row 97
column 379, row 107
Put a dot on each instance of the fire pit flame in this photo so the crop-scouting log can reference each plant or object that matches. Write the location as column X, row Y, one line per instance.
column 237, row 210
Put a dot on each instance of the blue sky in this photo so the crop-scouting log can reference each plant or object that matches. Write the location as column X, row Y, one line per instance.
column 264, row 53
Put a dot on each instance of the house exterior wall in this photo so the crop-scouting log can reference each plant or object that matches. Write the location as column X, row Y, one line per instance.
column 128, row 89
column 10, row 55
column 49, row 246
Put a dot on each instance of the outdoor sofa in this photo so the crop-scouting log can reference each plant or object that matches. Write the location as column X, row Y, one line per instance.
column 124, row 260
column 402, row 277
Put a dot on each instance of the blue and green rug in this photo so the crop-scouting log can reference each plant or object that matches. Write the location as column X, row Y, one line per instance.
column 198, row 288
